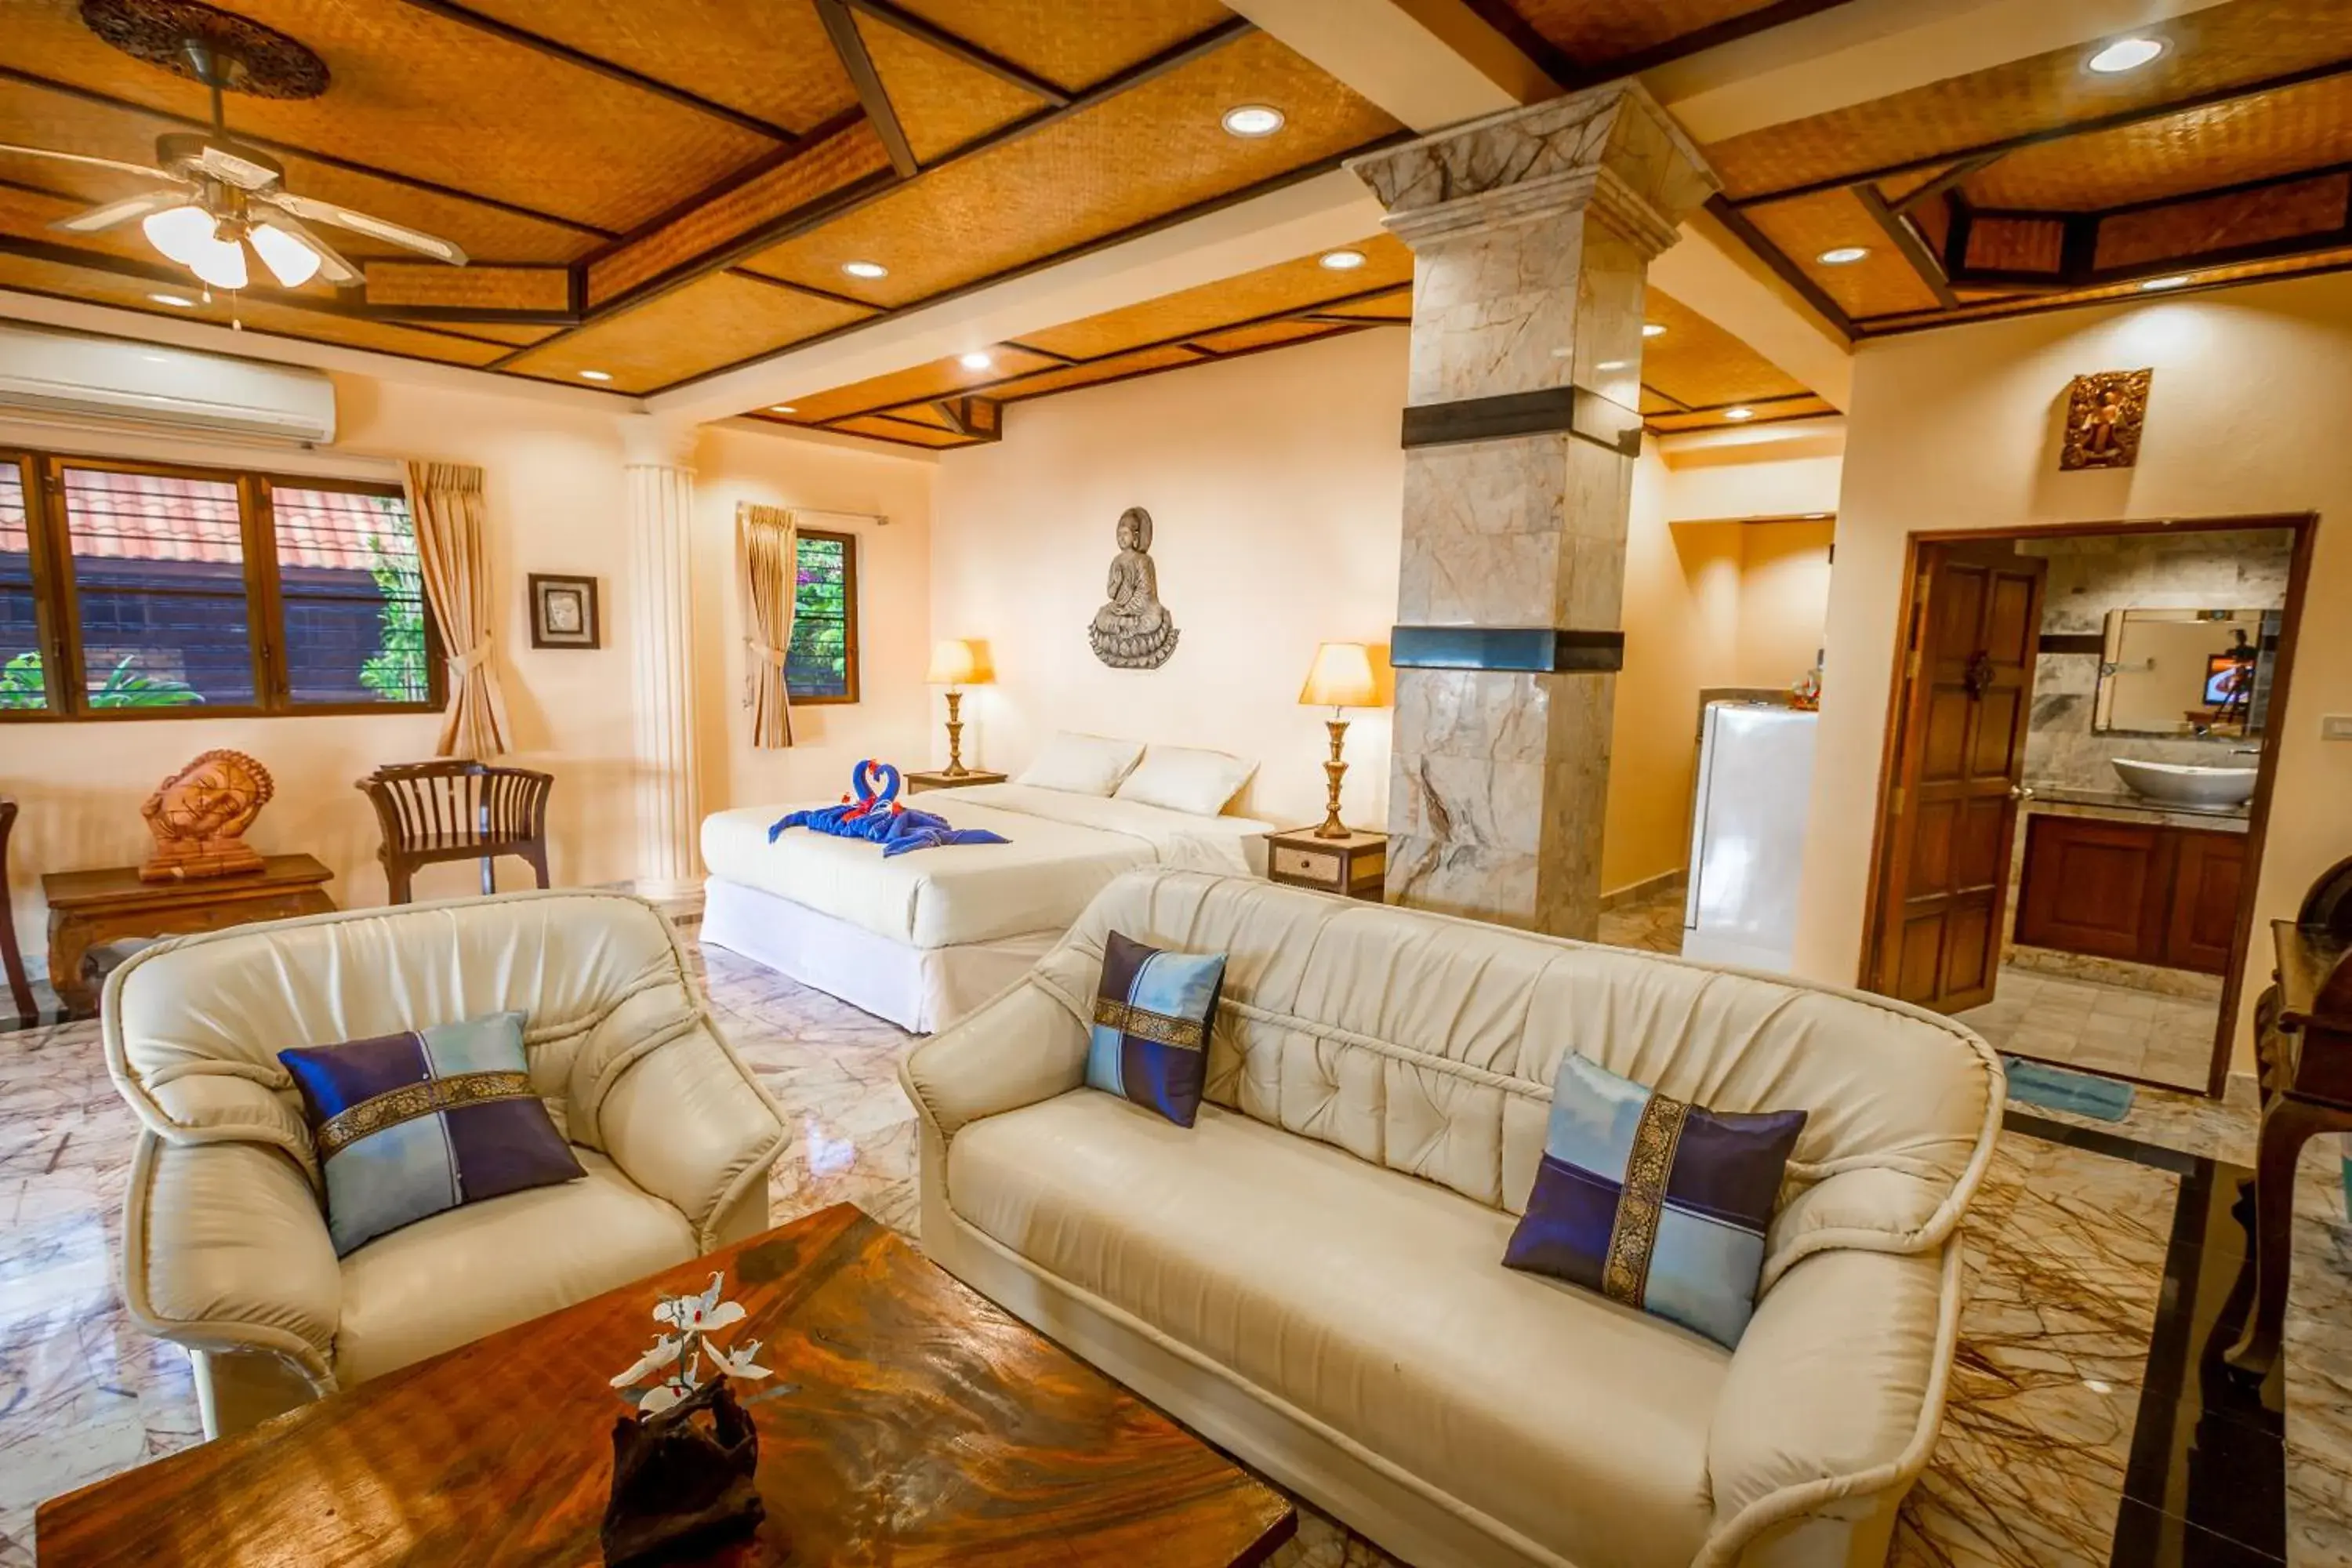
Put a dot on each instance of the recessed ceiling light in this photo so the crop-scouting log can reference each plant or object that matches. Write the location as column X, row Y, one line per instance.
column 781, row 409
column 2178, row 279
column 1653, row 329
column 178, row 301
column 1611, row 364
column 976, row 360
column 1253, row 119
column 2125, row 54
column 1842, row 255
column 1343, row 260
column 1739, row 413
column 595, row 375
column 866, row 270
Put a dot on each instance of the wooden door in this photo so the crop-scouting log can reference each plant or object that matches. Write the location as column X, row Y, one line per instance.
column 1958, row 757
column 2209, row 870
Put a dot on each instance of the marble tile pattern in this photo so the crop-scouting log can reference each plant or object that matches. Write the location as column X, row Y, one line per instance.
column 2065, row 1257
column 2244, row 569
column 2115, row 1029
column 1532, row 231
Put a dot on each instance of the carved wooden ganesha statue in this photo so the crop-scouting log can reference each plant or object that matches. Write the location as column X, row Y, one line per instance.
column 1133, row 631
column 199, row 816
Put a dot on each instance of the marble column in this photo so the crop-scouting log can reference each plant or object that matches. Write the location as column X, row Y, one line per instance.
column 659, row 468
column 1532, row 233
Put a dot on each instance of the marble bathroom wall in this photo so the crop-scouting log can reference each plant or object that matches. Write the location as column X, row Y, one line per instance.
column 2239, row 569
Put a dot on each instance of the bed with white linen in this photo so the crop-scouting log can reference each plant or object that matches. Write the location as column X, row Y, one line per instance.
column 925, row 937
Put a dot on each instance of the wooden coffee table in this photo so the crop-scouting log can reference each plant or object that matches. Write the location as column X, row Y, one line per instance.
column 909, row 1422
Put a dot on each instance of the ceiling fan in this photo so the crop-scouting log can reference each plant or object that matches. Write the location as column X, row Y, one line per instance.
column 225, row 203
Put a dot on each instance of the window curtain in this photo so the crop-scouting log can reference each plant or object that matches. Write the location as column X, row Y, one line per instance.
column 767, row 547
column 444, row 501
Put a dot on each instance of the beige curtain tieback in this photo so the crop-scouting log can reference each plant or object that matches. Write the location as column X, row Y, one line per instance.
column 473, row 658
column 767, row 654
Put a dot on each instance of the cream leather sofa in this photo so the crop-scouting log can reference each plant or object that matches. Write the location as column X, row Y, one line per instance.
column 225, row 1247
column 1311, row 1277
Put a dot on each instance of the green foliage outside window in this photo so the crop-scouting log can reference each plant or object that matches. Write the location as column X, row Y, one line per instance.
column 397, row 671
column 21, row 686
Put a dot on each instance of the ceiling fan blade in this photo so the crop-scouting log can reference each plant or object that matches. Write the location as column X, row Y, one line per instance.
column 332, row 267
column 122, row 212
column 361, row 223
column 115, row 163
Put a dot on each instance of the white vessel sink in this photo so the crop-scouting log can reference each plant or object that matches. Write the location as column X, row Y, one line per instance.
column 2178, row 784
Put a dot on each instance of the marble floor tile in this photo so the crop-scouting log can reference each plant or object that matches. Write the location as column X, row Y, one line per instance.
column 2098, row 1027
column 2067, row 1251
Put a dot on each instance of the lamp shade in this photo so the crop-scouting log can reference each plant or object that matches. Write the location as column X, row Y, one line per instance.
column 1342, row 678
column 959, row 661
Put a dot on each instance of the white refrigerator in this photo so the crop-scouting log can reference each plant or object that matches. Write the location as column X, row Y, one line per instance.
column 1748, row 834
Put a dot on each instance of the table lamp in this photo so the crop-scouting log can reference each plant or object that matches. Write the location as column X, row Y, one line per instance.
column 958, row 662
column 1341, row 678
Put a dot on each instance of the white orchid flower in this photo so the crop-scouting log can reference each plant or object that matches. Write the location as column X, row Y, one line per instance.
column 700, row 1314
column 658, row 1398
column 739, row 1362
column 663, row 1354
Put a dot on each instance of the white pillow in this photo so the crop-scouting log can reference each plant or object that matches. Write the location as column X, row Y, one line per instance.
column 1081, row 764
column 1183, row 778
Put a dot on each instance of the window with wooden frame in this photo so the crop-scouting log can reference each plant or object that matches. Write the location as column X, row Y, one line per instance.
column 144, row 590
column 821, row 666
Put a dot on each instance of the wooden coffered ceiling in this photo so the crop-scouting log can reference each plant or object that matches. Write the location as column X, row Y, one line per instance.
column 659, row 192
column 1695, row 375
column 2032, row 183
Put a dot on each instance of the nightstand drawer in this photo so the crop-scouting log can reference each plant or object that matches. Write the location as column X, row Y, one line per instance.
column 1306, row 865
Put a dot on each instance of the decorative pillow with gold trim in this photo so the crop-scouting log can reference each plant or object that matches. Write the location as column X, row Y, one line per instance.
column 1653, row 1202
column 1150, row 1036
column 412, row 1124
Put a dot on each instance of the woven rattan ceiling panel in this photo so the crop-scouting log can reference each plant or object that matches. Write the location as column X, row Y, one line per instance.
column 1263, row 335
column 1595, row 32
column 2220, row 46
column 941, row 103
column 1699, row 364
column 422, row 95
column 1805, row 407
column 2282, row 132
column 2017, row 245
column 1394, row 306
column 905, row 430
column 712, row 322
column 258, row 315
column 1072, row 50
column 941, row 378
column 2244, row 272
column 1880, row 282
column 45, row 117
column 767, row 57
column 26, row 214
column 1154, row 149
column 1284, row 287
column 1142, row 362
column 2242, row 218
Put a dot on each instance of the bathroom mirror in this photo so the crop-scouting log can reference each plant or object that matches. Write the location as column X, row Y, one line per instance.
column 2184, row 672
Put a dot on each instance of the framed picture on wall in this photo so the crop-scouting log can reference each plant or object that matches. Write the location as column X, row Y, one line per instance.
column 564, row 612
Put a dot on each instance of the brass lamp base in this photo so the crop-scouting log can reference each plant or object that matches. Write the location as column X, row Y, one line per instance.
column 1335, row 769
column 955, row 768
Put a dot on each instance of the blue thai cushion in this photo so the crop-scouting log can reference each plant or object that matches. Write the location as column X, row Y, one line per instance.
column 411, row 1125
column 1150, row 1038
column 1653, row 1202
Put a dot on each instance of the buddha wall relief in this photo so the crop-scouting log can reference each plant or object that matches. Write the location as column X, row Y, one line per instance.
column 1133, row 631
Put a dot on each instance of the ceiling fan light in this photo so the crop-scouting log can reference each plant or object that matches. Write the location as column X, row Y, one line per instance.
column 291, row 261
column 179, row 232
column 221, row 263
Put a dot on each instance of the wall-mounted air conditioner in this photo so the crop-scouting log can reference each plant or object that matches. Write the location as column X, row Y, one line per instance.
column 117, row 384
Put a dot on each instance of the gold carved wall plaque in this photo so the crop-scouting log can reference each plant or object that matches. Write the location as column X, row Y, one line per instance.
column 2103, row 414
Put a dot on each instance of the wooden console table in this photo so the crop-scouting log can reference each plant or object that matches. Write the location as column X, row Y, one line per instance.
column 2304, row 1048
column 86, row 907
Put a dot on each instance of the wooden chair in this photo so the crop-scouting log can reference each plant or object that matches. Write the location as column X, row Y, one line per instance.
column 20, row 990
column 458, row 811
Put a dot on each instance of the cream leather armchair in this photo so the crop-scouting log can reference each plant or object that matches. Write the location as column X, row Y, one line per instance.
column 1311, row 1276
column 225, row 1244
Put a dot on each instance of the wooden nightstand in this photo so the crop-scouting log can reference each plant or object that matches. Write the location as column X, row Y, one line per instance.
column 1356, row 866
column 918, row 783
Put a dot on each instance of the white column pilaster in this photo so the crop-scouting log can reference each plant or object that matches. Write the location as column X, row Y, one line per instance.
column 659, row 459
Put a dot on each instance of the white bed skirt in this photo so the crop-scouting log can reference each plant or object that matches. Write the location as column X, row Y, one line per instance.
column 921, row 989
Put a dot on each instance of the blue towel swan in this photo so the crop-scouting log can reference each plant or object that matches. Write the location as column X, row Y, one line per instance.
column 872, row 811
